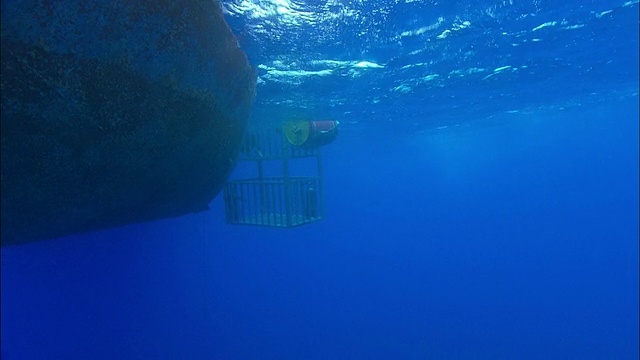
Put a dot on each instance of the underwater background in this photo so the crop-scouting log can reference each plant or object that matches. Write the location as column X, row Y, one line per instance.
column 481, row 201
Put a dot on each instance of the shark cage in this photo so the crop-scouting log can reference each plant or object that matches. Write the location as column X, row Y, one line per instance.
column 280, row 199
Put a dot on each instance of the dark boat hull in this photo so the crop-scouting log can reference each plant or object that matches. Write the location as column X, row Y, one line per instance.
column 116, row 112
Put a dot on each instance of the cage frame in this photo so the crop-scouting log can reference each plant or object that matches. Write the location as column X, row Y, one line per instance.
column 274, row 201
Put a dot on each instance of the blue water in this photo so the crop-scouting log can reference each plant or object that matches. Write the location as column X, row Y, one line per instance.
column 481, row 199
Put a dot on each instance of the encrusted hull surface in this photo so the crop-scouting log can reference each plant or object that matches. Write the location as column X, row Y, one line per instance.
column 116, row 112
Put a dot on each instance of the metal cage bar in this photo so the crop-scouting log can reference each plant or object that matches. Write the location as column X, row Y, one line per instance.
column 281, row 201
column 261, row 201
